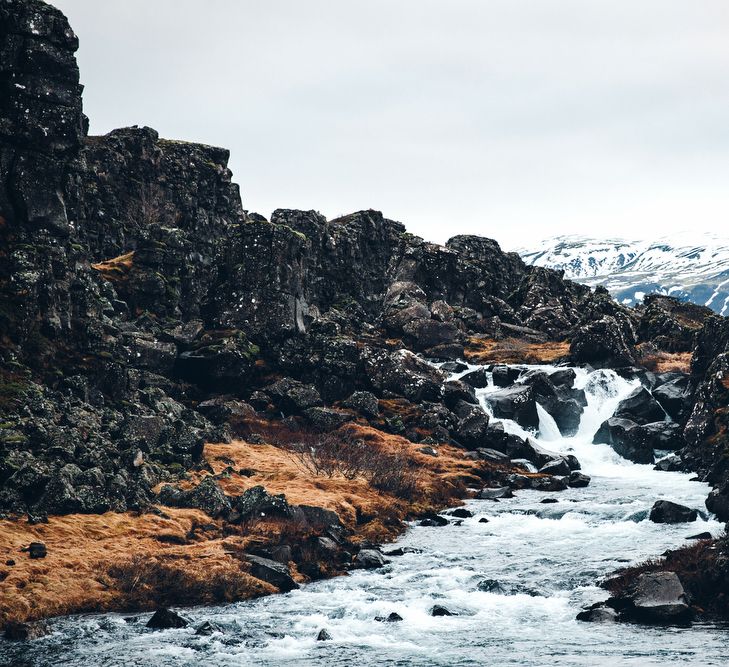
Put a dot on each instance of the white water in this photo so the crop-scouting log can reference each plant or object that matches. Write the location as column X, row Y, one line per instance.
column 547, row 559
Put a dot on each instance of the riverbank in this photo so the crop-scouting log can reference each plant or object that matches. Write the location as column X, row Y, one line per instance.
column 183, row 556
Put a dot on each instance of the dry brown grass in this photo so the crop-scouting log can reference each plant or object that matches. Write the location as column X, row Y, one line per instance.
column 664, row 362
column 130, row 561
column 87, row 555
column 116, row 269
column 514, row 351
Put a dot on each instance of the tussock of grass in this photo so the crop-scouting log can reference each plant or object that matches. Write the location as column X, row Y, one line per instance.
column 664, row 362
column 482, row 350
column 117, row 268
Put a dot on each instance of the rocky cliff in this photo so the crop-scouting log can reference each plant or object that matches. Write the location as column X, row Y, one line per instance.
column 135, row 288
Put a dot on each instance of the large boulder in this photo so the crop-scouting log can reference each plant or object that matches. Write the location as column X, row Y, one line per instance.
column 478, row 379
column 563, row 408
column 639, row 406
column 674, row 397
column 505, row 376
column 517, row 403
column 658, row 597
column 206, row 496
column 292, row 396
column 256, row 502
column 626, row 438
column 607, row 342
column 271, row 572
column 472, row 428
column 403, row 373
column 665, row 511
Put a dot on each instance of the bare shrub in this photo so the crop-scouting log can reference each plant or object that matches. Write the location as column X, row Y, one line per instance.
column 341, row 453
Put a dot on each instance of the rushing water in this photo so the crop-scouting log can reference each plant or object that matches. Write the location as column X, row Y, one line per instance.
column 546, row 559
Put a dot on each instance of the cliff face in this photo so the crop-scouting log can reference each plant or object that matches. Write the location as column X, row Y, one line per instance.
column 134, row 288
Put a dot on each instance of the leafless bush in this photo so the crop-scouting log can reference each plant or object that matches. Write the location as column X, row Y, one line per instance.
column 342, row 453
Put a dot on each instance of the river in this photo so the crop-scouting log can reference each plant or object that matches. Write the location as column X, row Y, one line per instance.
column 515, row 583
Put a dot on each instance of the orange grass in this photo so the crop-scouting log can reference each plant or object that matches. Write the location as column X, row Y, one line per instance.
column 664, row 362
column 115, row 269
column 514, row 351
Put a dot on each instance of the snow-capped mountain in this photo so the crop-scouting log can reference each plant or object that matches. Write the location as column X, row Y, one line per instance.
column 687, row 269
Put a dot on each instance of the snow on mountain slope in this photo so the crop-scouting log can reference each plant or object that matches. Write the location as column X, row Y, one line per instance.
column 688, row 268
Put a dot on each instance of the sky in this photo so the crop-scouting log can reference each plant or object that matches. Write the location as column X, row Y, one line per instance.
column 512, row 119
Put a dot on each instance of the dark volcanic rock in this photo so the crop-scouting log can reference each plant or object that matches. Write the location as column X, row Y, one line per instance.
column 16, row 631
column 578, row 480
column 640, row 407
column 626, row 438
column 256, row 502
column 206, row 496
column 164, row 619
column 675, row 397
column 517, row 403
column 665, row 511
column 658, row 597
column 272, row 572
column 607, row 342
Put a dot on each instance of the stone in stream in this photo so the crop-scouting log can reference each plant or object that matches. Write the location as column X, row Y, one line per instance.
column 555, row 467
column 370, row 559
column 271, row 572
column 639, row 406
column 461, row 513
column 483, row 519
column 598, row 614
column 164, row 619
column 25, row 631
column 206, row 628
column 517, row 403
column 492, row 586
column 669, row 463
column 394, row 617
column 552, row 483
column 626, row 438
column 578, row 480
column 658, row 597
column 495, row 494
column 478, row 379
column 323, row 636
column 432, row 520
column 700, row 536
column 440, row 610
column 505, row 376
column 401, row 551
column 548, row 501
column 665, row 511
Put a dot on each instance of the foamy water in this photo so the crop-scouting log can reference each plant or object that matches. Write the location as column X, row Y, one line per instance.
column 545, row 558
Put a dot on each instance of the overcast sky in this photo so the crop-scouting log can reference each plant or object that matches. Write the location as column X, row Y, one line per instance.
column 514, row 119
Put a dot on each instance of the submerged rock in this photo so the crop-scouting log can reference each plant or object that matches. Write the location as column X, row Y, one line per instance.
column 440, row 610
column 163, row 619
column 598, row 614
column 665, row 511
column 25, row 631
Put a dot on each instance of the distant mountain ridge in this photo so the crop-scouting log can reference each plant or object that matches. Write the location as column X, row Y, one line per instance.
column 692, row 269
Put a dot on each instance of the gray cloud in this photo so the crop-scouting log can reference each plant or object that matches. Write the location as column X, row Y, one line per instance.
column 514, row 119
